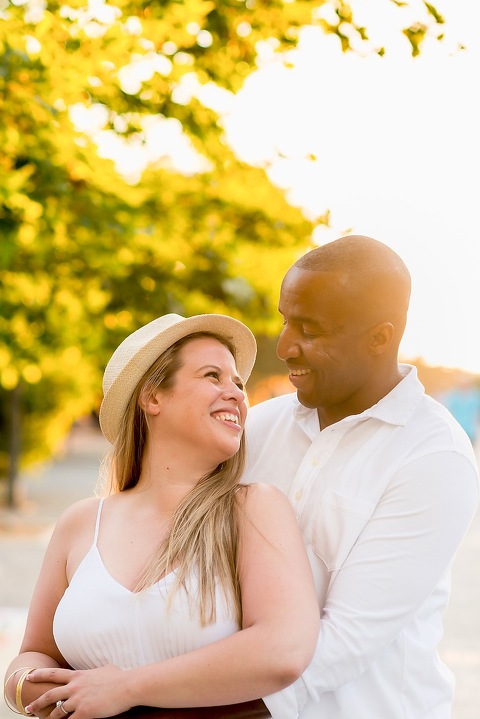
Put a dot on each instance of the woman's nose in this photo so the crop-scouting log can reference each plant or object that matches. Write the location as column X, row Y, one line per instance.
column 235, row 392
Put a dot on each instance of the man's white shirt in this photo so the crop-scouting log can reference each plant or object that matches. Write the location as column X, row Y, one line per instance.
column 383, row 499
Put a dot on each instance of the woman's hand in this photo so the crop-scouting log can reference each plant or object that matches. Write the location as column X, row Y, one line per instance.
column 85, row 694
column 45, row 713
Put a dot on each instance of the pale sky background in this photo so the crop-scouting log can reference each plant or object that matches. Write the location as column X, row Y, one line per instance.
column 396, row 150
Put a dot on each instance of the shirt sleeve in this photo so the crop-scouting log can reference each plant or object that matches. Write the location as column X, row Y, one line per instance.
column 406, row 547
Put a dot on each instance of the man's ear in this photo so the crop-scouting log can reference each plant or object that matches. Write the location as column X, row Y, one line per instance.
column 380, row 337
column 150, row 402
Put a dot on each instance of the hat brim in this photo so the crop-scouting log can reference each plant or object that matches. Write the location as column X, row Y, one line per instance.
column 117, row 397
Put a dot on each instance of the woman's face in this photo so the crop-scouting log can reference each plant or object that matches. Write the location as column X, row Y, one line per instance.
column 202, row 415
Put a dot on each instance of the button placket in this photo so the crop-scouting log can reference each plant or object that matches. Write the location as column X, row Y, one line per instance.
column 306, row 475
column 315, row 458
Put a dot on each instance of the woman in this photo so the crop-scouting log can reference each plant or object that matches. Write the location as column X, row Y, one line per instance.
column 176, row 588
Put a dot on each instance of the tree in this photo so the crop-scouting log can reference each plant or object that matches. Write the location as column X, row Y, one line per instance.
column 86, row 256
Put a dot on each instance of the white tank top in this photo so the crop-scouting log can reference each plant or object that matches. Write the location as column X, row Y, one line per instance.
column 98, row 621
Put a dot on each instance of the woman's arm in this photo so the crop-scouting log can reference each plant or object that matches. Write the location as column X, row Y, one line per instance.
column 280, row 628
column 38, row 649
column 29, row 691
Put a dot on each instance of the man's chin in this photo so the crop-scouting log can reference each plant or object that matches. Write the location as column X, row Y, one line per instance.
column 306, row 400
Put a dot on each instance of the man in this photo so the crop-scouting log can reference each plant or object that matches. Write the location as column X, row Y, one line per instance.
column 383, row 480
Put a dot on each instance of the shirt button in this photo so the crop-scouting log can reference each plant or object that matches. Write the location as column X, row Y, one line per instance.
column 315, row 461
column 298, row 495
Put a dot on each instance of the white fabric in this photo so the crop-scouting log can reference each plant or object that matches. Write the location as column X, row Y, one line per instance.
column 383, row 499
column 98, row 621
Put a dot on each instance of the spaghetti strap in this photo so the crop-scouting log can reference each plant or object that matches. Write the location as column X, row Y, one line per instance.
column 97, row 523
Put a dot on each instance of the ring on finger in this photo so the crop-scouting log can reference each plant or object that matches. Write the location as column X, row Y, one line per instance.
column 60, row 704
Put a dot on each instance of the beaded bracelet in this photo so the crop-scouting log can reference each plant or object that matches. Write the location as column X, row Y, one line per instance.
column 27, row 671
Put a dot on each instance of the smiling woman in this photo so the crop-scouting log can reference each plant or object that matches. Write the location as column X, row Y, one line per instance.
column 174, row 589
column 204, row 409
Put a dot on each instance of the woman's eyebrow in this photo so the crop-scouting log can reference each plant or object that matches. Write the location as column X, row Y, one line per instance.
column 210, row 366
column 236, row 378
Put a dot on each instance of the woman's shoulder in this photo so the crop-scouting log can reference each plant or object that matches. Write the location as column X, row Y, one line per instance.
column 261, row 497
column 266, row 512
column 260, row 490
column 78, row 515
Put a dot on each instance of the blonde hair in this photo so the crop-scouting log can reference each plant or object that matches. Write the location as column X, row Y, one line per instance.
column 204, row 530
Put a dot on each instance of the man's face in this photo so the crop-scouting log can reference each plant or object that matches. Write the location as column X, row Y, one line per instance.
column 324, row 342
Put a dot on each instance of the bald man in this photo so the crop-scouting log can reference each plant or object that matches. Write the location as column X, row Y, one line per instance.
column 383, row 480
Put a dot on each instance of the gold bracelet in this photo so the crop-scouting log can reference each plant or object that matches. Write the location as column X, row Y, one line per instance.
column 7, row 700
column 18, row 692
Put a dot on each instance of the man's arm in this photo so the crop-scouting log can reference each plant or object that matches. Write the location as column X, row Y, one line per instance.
column 399, row 558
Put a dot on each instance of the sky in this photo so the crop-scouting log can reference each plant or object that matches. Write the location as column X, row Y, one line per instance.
column 389, row 146
column 396, row 155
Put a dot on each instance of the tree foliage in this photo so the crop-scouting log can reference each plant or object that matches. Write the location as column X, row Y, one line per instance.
column 86, row 256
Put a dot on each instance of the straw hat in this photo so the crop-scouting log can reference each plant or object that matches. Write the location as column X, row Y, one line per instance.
column 138, row 352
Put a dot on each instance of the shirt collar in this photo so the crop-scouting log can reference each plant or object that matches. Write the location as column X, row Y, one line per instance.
column 395, row 408
column 399, row 404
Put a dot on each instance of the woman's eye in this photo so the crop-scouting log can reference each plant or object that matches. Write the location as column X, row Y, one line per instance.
column 212, row 374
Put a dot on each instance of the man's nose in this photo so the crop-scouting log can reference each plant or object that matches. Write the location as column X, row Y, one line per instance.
column 287, row 346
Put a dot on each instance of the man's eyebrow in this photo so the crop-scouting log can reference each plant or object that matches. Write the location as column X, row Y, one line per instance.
column 303, row 318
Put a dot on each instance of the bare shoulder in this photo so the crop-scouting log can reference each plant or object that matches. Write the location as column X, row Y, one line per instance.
column 259, row 492
column 71, row 537
column 263, row 499
column 266, row 513
column 77, row 517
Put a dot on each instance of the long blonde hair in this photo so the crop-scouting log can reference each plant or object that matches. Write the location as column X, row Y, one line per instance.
column 204, row 531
